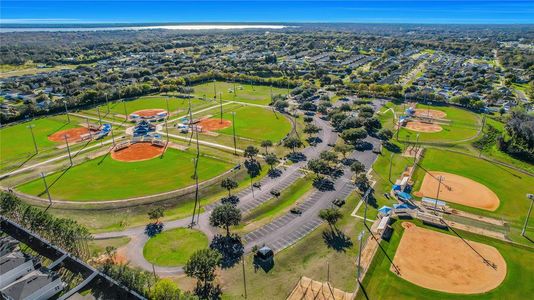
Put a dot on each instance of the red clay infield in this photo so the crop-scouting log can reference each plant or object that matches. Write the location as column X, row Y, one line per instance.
column 148, row 112
column 214, row 124
column 73, row 135
column 137, row 152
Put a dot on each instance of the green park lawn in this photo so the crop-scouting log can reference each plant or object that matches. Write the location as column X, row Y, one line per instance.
column 120, row 180
column 255, row 123
column 465, row 125
column 257, row 94
column 510, row 186
column 17, row 140
column 381, row 283
column 173, row 247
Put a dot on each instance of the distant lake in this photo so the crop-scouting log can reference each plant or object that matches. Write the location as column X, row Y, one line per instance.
column 167, row 27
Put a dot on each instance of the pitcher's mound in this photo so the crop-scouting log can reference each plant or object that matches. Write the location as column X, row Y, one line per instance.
column 447, row 263
column 458, row 189
column 137, row 152
column 423, row 127
column 214, row 124
column 73, row 135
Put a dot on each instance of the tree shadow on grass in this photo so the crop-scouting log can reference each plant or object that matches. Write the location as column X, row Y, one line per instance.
column 337, row 240
column 230, row 247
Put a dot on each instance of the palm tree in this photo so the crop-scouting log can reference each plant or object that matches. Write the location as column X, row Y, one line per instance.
column 331, row 216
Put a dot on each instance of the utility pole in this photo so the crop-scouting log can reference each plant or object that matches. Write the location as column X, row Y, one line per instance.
column 33, row 138
column 68, row 148
column 244, row 277
column 99, row 117
column 233, row 129
column 360, row 239
column 46, row 189
column 440, row 178
column 531, row 197
column 66, row 111
column 220, row 102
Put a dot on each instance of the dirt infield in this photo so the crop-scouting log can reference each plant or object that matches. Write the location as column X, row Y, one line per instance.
column 214, row 124
column 447, row 263
column 432, row 113
column 147, row 113
column 423, row 127
column 73, row 135
column 137, row 152
column 462, row 191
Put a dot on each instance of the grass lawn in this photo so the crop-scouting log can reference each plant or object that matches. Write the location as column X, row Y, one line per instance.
column 98, row 247
column 308, row 257
column 17, row 140
column 174, row 247
column 509, row 185
column 275, row 206
column 381, row 283
column 120, row 180
column 465, row 125
column 151, row 102
column 257, row 94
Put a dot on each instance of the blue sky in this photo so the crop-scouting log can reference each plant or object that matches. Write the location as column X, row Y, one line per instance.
column 124, row 11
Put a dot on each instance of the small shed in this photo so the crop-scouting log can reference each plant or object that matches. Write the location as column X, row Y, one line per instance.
column 265, row 253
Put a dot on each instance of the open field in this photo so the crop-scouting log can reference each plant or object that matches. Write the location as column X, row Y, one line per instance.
column 509, row 185
column 120, row 180
column 29, row 69
column 257, row 94
column 98, row 247
column 381, row 283
column 174, row 247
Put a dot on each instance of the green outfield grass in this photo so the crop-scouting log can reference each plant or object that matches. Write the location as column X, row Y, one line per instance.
column 257, row 94
column 17, row 140
column 173, row 247
column 381, row 283
column 119, row 180
column 151, row 102
column 509, row 185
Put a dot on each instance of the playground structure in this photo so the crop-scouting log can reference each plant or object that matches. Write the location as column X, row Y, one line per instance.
column 150, row 115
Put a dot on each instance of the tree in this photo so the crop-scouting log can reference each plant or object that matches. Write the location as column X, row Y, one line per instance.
column 271, row 160
column 224, row 216
column 229, row 184
column 385, row 134
column 201, row 266
column 311, row 129
column 156, row 213
column 331, row 216
column 251, row 152
column 357, row 167
column 281, row 105
column 307, row 119
column 166, row 289
column 343, row 149
column 328, row 156
column 266, row 144
column 292, row 143
column 318, row 166
column 353, row 135
column 361, row 181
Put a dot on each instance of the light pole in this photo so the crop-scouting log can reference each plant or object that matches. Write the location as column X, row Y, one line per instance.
column 66, row 111
column 440, row 178
column 390, row 163
column 68, row 148
column 166, row 121
column 46, row 189
column 360, row 239
column 233, row 129
column 99, row 116
column 112, row 136
column 244, row 277
column 33, row 138
column 531, row 197
column 220, row 103
column 107, row 102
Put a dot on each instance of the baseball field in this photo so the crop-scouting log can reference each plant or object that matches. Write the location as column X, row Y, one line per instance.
column 105, row 178
column 424, row 256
